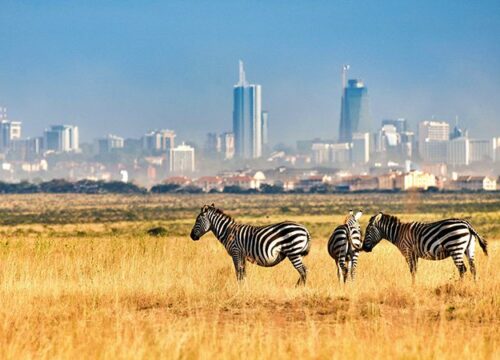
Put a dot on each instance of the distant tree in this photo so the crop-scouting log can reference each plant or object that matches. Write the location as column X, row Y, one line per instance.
column 165, row 188
column 233, row 189
column 57, row 186
column 190, row 189
column 23, row 187
column 271, row 189
column 319, row 189
column 120, row 187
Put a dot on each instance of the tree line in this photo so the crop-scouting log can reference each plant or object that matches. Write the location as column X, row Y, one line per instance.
column 61, row 186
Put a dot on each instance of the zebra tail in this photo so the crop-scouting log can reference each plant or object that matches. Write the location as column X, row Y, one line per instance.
column 307, row 248
column 482, row 242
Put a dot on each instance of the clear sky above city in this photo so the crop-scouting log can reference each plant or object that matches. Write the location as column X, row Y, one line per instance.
column 124, row 67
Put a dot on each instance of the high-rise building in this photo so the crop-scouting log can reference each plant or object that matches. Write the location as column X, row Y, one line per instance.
column 433, row 131
column 227, row 145
column 109, row 143
column 457, row 133
column 432, row 140
column 400, row 124
column 360, row 148
column 355, row 111
column 321, row 153
column 458, row 152
column 393, row 141
column 340, row 154
column 9, row 131
column 265, row 133
column 213, row 144
column 158, row 141
column 481, row 150
column 181, row 160
column 247, row 118
column 496, row 148
column 435, row 151
column 3, row 113
column 61, row 138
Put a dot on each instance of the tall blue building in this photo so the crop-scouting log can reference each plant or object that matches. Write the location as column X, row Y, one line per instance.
column 247, row 118
column 355, row 111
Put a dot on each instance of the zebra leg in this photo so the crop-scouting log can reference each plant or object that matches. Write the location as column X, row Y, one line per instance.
column 458, row 259
column 239, row 266
column 469, row 252
column 412, row 261
column 343, row 270
column 354, row 263
column 339, row 274
column 300, row 267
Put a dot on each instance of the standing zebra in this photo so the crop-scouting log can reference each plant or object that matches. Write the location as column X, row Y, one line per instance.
column 265, row 245
column 432, row 241
column 344, row 245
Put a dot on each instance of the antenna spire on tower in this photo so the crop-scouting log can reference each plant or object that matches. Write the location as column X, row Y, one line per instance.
column 243, row 80
column 345, row 68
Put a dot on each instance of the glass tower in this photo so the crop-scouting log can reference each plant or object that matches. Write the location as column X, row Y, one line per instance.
column 247, row 118
column 355, row 111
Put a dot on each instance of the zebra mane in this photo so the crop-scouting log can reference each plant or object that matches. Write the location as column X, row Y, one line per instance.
column 391, row 218
column 220, row 212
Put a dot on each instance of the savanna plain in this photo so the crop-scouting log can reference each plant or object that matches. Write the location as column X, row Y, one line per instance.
column 81, row 278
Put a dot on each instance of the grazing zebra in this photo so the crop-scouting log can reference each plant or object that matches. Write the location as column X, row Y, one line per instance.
column 432, row 241
column 264, row 245
column 344, row 245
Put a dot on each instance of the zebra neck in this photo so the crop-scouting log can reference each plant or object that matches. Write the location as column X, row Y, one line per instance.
column 222, row 226
column 391, row 232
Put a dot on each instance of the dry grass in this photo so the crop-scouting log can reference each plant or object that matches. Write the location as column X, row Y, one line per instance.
column 109, row 291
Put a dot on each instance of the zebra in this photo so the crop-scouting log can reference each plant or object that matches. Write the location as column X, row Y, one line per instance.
column 264, row 245
column 431, row 241
column 344, row 245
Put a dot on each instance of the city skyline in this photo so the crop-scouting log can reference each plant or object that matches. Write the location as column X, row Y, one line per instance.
column 72, row 64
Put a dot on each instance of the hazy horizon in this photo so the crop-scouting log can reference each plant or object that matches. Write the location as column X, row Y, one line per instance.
column 124, row 68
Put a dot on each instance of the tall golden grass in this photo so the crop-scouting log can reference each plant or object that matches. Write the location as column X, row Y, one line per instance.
column 102, row 291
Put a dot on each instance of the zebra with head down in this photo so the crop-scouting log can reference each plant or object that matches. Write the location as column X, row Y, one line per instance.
column 264, row 245
column 344, row 245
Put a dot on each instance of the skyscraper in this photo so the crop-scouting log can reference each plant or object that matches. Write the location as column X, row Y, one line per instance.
column 247, row 118
column 227, row 145
column 110, row 142
column 360, row 153
column 265, row 132
column 400, row 124
column 9, row 131
column 158, row 141
column 355, row 111
column 213, row 144
column 181, row 160
column 458, row 152
column 61, row 138
column 433, row 137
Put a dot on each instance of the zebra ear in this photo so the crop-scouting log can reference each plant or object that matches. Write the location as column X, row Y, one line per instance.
column 378, row 217
column 358, row 215
column 351, row 212
column 213, row 205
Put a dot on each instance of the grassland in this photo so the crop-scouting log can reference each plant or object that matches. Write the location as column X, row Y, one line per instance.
column 79, row 278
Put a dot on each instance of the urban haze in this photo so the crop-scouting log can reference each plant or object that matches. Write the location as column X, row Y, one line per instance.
column 387, row 96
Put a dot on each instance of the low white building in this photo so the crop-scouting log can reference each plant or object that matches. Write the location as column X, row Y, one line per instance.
column 474, row 183
column 415, row 180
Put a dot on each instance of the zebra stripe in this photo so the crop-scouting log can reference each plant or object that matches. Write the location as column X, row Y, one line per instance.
column 430, row 241
column 264, row 245
column 344, row 245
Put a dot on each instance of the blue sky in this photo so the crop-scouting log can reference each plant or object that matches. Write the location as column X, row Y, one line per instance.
column 125, row 67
